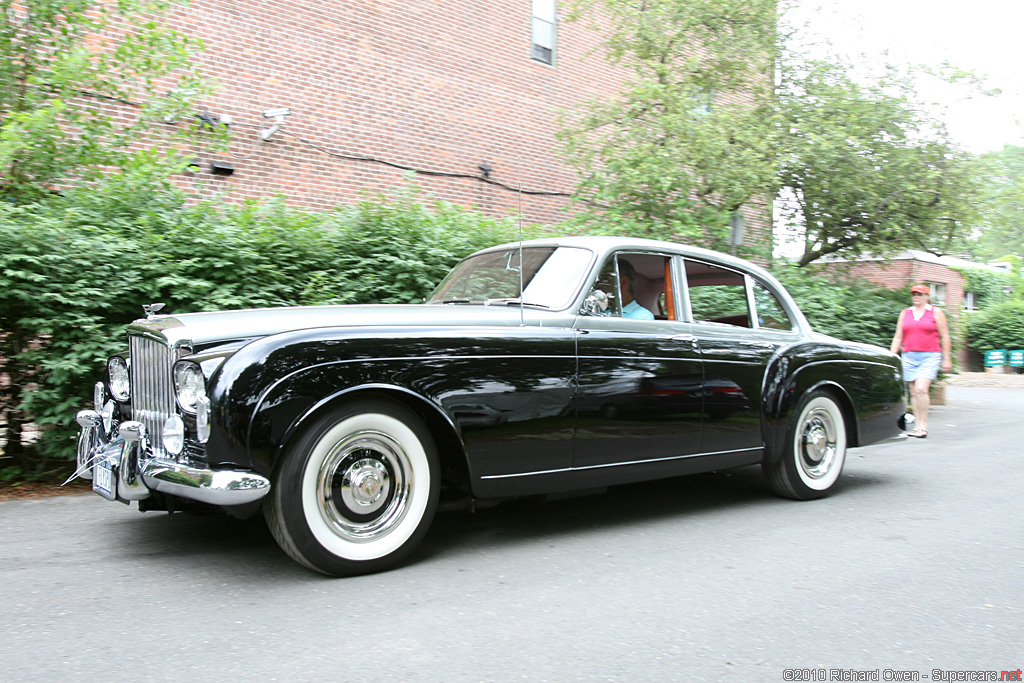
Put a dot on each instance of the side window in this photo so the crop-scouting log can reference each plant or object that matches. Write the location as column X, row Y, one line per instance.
column 543, row 31
column 639, row 286
column 717, row 295
column 770, row 313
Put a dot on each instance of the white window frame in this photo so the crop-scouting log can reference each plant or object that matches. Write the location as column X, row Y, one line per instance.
column 937, row 293
column 543, row 14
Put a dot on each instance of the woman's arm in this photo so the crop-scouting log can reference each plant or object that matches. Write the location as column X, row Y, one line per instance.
column 897, row 339
column 943, row 325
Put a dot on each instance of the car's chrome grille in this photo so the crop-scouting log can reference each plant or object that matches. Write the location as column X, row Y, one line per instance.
column 152, row 391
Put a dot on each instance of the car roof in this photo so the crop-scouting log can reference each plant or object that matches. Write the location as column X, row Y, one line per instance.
column 602, row 245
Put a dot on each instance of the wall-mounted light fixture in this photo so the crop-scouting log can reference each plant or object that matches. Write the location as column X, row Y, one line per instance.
column 278, row 115
column 485, row 169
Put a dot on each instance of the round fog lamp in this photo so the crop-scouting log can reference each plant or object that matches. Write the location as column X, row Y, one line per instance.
column 203, row 419
column 174, row 435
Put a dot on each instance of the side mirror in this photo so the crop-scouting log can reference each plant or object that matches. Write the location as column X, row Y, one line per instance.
column 596, row 303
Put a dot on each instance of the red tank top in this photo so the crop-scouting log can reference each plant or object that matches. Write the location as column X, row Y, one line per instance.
column 923, row 334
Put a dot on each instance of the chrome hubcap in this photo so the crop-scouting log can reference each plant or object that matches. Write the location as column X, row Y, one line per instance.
column 364, row 485
column 818, row 443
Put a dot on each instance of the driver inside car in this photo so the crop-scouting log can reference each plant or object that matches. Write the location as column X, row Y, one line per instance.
column 627, row 290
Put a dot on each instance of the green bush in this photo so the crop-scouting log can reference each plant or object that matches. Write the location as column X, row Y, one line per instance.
column 74, row 270
column 999, row 327
column 855, row 310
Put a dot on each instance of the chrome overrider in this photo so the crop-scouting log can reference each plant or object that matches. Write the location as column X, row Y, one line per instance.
column 126, row 452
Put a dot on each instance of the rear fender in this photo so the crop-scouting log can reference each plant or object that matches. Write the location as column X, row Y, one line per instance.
column 784, row 391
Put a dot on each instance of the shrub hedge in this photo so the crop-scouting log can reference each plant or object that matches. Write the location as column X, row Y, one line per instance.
column 999, row 327
column 846, row 308
column 74, row 270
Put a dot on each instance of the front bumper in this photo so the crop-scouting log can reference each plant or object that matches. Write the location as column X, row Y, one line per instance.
column 119, row 462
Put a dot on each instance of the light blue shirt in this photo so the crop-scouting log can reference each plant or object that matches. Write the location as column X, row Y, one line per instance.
column 636, row 311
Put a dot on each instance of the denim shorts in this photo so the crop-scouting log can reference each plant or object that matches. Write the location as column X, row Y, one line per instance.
column 921, row 365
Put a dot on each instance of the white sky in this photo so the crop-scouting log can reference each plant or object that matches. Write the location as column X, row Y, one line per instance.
column 983, row 36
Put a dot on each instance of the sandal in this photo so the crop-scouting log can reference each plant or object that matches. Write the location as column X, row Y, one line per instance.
column 918, row 433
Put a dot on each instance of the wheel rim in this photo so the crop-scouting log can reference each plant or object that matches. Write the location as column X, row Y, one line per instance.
column 363, row 486
column 818, row 443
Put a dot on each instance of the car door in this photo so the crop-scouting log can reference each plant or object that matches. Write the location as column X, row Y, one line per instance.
column 640, row 380
column 739, row 324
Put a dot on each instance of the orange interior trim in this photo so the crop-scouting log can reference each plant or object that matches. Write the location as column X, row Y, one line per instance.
column 670, row 303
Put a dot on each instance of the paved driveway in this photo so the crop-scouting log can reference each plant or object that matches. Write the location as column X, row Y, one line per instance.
column 915, row 564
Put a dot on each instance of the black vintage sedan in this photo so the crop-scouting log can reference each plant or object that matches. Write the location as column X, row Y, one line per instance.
column 535, row 368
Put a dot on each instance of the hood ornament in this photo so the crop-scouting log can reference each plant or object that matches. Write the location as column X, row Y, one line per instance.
column 151, row 310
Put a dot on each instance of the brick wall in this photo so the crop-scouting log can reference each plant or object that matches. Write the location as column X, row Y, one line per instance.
column 442, row 86
column 436, row 85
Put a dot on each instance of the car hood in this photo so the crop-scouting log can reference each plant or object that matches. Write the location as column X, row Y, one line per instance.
column 204, row 328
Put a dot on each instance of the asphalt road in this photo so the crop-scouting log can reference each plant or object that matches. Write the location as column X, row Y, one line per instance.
column 914, row 564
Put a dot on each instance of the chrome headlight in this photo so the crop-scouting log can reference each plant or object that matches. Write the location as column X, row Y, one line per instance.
column 189, row 385
column 119, row 379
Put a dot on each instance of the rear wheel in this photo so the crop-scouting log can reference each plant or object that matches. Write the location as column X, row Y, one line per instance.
column 357, row 491
column 815, row 450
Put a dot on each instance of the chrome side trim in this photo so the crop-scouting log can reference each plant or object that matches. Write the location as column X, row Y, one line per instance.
column 216, row 487
column 618, row 464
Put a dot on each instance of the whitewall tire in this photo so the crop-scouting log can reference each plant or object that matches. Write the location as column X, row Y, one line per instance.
column 357, row 491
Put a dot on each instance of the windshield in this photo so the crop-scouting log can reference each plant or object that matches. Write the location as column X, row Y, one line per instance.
column 551, row 276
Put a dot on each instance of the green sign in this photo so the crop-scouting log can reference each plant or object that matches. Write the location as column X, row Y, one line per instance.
column 1017, row 358
column 995, row 357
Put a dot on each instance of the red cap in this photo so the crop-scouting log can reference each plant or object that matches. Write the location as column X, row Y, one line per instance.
column 920, row 289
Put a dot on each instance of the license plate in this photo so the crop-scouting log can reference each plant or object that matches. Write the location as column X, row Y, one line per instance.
column 103, row 478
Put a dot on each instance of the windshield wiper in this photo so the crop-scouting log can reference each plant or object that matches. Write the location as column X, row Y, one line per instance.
column 453, row 300
column 512, row 301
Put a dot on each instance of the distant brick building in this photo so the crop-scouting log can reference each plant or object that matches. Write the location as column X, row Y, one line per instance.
column 466, row 92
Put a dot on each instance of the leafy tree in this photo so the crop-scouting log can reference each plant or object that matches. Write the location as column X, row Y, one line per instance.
column 689, row 139
column 864, row 169
column 1001, row 225
column 697, row 131
column 67, row 68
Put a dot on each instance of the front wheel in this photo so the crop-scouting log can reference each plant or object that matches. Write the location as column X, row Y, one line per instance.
column 815, row 450
column 357, row 491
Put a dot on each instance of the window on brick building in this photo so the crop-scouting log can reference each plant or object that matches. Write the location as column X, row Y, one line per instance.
column 970, row 301
column 938, row 293
column 543, row 31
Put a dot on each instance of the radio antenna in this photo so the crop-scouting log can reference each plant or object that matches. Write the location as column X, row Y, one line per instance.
column 519, row 172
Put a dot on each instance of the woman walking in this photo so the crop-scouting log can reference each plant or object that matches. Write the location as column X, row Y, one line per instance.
column 922, row 335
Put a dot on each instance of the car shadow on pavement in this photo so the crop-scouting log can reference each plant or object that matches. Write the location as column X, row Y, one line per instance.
column 640, row 505
column 245, row 549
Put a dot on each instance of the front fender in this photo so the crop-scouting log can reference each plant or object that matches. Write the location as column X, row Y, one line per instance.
column 487, row 391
